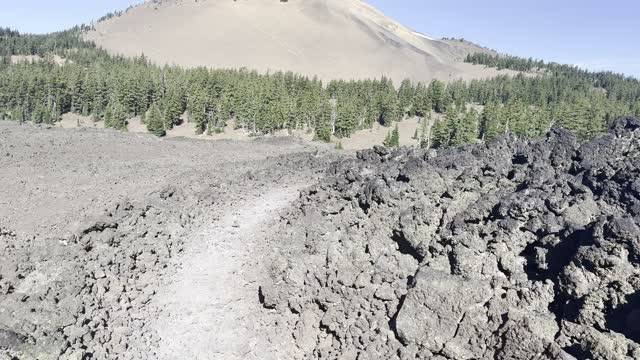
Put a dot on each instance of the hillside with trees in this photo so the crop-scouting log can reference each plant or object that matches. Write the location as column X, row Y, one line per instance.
column 113, row 89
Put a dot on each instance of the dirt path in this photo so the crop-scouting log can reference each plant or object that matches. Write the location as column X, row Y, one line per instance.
column 210, row 308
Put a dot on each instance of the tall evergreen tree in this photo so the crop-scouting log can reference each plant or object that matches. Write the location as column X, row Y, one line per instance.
column 468, row 130
column 406, row 96
column 441, row 133
column 388, row 109
column 198, row 110
column 422, row 101
column 115, row 116
column 436, row 92
column 393, row 138
column 394, row 141
column 490, row 122
column 173, row 106
column 425, row 132
column 347, row 117
column 156, row 121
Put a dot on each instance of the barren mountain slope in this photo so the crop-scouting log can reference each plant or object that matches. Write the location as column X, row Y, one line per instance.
column 333, row 39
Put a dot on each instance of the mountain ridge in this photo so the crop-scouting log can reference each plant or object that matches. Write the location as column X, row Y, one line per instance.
column 331, row 39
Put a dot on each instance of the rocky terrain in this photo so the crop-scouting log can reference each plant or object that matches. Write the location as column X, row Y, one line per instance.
column 521, row 249
column 119, row 245
column 113, row 245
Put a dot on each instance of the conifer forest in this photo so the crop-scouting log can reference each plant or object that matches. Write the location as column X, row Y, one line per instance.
column 93, row 83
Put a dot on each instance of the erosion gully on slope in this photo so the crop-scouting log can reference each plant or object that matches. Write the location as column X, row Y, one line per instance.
column 210, row 308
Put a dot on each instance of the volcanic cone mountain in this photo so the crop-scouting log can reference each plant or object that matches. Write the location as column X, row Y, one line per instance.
column 333, row 39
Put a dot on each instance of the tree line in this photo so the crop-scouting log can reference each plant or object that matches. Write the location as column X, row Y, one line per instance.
column 114, row 89
column 617, row 86
column 14, row 43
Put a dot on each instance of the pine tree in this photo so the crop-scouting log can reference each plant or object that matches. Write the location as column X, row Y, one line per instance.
column 490, row 123
column 441, row 134
column 108, row 116
column 115, row 116
column 155, row 121
column 40, row 114
column 323, row 121
column 198, row 110
column 425, row 132
column 387, row 140
column 422, row 101
column 388, row 109
column 55, row 113
column 173, row 106
column 636, row 109
column 131, row 93
column 564, row 115
column 469, row 127
column 595, row 122
column 323, row 134
column 519, row 122
column 458, row 129
column 210, row 128
column 347, row 117
column 393, row 138
column 406, row 95
column 436, row 92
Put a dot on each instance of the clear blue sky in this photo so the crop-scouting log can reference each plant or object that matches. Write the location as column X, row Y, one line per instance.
column 596, row 34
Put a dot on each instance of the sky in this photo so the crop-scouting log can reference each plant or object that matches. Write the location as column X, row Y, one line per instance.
column 595, row 34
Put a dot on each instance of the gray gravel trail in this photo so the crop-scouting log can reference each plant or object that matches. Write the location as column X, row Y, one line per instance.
column 210, row 308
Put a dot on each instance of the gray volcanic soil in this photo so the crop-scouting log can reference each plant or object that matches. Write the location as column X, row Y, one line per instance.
column 126, row 246
column 514, row 250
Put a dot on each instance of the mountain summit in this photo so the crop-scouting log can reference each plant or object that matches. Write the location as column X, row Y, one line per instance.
column 333, row 39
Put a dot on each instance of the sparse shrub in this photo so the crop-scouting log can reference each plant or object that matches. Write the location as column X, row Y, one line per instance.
column 323, row 134
column 393, row 138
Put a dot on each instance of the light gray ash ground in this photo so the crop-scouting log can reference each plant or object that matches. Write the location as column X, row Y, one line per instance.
column 122, row 246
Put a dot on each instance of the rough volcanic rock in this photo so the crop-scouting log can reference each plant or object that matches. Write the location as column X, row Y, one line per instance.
column 435, row 308
column 519, row 249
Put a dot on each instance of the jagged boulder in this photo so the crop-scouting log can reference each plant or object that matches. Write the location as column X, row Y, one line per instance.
column 435, row 307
